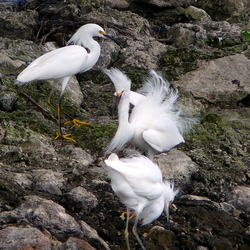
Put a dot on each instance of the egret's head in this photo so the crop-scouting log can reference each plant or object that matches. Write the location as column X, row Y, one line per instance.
column 121, row 82
column 90, row 29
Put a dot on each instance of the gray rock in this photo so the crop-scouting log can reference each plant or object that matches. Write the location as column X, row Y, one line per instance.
column 92, row 236
column 219, row 79
column 23, row 238
column 194, row 13
column 79, row 199
column 76, row 157
column 2, row 133
column 23, row 180
column 22, row 25
column 47, row 214
column 226, row 9
column 7, row 101
column 48, row 181
column 117, row 4
column 5, row 60
column 176, row 165
column 167, row 3
column 76, row 244
column 240, row 198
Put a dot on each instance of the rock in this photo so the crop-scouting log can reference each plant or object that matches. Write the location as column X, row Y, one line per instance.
column 160, row 238
column 194, row 13
column 80, row 200
column 92, row 236
column 226, row 9
column 194, row 198
column 23, row 180
column 76, row 157
column 7, row 101
column 204, row 33
column 76, row 244
column 118, row 4
column 46, row 214
column 2, row 133
column 240, row 198
column 167, row 3
column 5, row 60
column 22, row 25
column 48, row 181
column 216, row 80
column 23, row 238
column 40, row 150
column 220, row 243
column 176, row 165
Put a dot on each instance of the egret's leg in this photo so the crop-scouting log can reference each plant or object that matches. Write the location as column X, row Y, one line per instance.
column 49, row 99
column 59, row 132
column 134, row 230
column 72, row 120
column 126, row 229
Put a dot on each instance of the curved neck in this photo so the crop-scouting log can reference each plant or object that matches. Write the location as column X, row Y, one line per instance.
column 123, row 109
column 94, row 50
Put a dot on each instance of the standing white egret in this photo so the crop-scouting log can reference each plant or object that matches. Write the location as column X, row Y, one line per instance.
column 137, row 181
column 62, row 63
column 155, row 124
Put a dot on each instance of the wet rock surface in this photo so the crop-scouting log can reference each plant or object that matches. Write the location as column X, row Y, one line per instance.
column 55, row 194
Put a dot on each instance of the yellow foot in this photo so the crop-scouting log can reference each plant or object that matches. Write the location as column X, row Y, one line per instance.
column 67, row 136
column 122, row 216
column 76, row 123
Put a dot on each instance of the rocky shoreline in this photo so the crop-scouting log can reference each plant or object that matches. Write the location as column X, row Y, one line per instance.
column 55, row 194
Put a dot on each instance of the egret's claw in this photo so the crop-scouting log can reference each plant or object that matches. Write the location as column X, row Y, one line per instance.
column 76, row 123
column 67, row 136
column 122, row 216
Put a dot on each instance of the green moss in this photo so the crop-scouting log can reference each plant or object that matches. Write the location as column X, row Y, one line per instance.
column 212, row 118
column 19, row 125
column 180, row 61
column 94, row 137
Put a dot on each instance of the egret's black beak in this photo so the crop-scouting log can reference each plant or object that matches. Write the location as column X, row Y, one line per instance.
column 118, row 97
column 113, row 39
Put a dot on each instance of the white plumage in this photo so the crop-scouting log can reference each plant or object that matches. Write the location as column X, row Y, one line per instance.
column 62, row 63
column 137, row 181
column 155, row 124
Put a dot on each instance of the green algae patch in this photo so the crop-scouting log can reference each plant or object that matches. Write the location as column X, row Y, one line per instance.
column 21, row 125
column 94, row 137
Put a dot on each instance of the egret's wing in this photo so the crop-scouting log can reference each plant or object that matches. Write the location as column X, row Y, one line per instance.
column 135, row 98
column 141, row 178
column 163, row 140
column 56, row 64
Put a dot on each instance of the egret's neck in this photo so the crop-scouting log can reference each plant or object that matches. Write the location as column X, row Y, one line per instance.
column 123, row 110
column 93, row 48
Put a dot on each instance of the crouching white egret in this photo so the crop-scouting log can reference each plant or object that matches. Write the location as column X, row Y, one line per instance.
column 155, row 123
column 60, row 64
column 137, row 181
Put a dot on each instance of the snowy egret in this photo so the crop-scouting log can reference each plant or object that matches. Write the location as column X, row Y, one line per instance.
column 155, row 124
column 60, row 64
column 137, row 181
